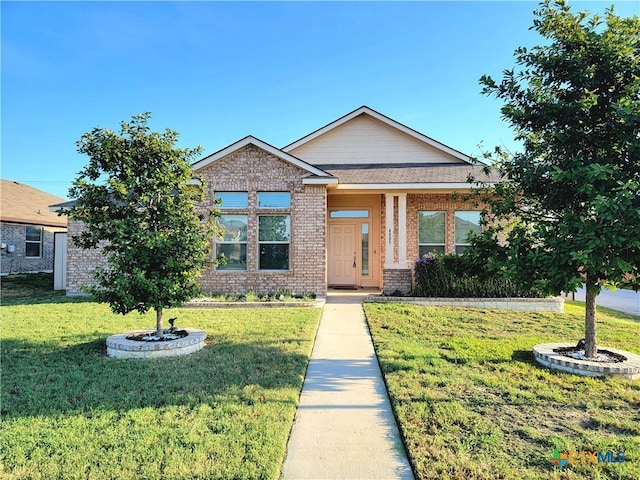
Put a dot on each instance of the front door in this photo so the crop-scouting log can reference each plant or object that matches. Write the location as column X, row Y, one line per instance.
column 342, row 254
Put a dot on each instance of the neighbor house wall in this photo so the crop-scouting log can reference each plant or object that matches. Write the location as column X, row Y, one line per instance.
column 80, row 262
column 254, row 170
column 14, row 234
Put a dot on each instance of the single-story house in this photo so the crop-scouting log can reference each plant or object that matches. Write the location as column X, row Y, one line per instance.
column 27, row 228
column 349, row 205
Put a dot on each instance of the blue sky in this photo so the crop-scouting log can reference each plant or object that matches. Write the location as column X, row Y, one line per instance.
column 217, row 71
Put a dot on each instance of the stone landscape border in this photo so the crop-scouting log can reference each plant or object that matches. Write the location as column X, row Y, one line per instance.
column 551, row 304
column 318, row 302
column 545, row 355
column 118, row 346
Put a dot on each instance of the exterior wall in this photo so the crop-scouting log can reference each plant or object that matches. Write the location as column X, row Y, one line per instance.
column 80, row 263
column 397, row 281
column 16, row 262
column 253, row 170
column 435, row 202
column 366, row 140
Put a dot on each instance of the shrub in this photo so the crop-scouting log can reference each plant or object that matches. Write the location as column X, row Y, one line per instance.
column 458, row 276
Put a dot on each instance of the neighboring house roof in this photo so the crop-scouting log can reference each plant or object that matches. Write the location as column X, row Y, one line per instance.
column 24, row 204
column 367, row 136
column 314, row 175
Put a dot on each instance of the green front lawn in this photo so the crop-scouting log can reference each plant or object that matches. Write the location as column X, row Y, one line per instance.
column 69, row 412
column 472, row 403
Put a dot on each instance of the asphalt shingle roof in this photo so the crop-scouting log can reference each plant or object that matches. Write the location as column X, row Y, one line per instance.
column 24, row 204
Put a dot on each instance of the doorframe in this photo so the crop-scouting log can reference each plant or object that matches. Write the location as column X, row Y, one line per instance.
column 373, row 279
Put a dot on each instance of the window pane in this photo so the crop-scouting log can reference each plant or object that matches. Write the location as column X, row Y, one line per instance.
column 349, row 214
column 32, row 249
column 34, row 234
column 235, row 255
column 274, row 199
column 424, row 249
column 466, row 222
column 234, row 228
column 431, row 227
column 233, row 199
column 274, row 228
column 365, row 248
column 274, row 256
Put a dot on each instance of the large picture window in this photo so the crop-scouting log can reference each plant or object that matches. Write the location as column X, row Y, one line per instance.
column 431, row 232
column 33, row 245
column 274, row 235
column 231, row 248
column 466, row 223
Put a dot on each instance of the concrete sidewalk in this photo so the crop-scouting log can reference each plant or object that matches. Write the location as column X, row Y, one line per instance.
column 344, row 427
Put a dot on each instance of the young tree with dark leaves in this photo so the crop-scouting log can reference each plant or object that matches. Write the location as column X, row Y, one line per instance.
column 138, row 202
column 568, row 206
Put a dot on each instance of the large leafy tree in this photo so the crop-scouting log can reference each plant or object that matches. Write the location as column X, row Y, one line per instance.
column 138, row 202
column 567, row 208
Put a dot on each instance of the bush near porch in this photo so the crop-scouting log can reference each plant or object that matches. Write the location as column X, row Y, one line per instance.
column 462, row 276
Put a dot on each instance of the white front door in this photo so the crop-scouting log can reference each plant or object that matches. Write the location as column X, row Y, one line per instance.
column 342, row 254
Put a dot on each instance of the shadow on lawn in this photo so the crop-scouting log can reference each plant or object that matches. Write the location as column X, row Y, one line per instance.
column 46, row 379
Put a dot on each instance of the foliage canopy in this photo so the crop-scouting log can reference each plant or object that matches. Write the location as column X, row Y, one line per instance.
column 138, row 201
column 574, row 187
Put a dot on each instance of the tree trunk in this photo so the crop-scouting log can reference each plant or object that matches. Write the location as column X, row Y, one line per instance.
column 159, row 329
column 590, row 347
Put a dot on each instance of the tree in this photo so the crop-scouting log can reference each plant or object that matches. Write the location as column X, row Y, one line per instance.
column 137, row 199
column 567, row 207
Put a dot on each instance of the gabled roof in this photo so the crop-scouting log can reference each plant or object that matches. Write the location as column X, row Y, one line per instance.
column 364, row 110
column 313, row 175
column 24, row 204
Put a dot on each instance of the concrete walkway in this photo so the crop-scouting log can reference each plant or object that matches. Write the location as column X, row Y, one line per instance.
column 344, row 427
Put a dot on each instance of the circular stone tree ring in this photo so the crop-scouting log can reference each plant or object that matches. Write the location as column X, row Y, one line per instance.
column 119, row 346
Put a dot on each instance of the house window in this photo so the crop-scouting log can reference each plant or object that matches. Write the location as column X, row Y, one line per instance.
column 466, row 223
column 274, row 234
column 274, row 199
column 364, row 236
column 33, row 245
column 349, row 214
column 431, row 232
column 231, row 247
column 232, row 200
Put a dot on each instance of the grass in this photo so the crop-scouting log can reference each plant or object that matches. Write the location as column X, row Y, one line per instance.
column 69, row 412
column 472, row 403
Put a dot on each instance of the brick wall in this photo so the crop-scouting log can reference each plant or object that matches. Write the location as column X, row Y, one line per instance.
column 248, row 170
column 433, row 202
column 80, row 262
column 17, row 262
column 253, row 170
column 397, row 280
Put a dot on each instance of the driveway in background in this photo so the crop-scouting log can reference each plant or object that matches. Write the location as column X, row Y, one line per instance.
column 626, row 301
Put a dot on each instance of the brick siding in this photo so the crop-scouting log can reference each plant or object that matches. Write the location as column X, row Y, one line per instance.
column 253, row 170
column 16, row 262
column 249, row 170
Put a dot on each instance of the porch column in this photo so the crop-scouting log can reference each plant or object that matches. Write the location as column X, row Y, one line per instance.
column 388, row 230
column 402, row 230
